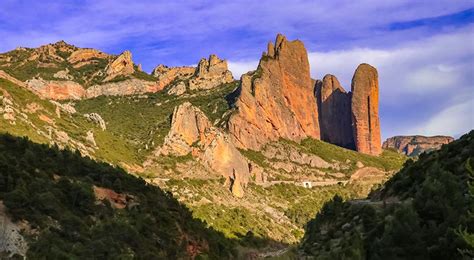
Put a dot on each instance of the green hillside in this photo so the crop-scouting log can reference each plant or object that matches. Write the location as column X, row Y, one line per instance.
column 54, row 192
column 424, row 212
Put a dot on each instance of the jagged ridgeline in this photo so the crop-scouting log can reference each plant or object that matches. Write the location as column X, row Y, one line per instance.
column 424, row 212
column 56, row 204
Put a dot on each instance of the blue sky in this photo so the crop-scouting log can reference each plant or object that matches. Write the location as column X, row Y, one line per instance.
column 424, row 50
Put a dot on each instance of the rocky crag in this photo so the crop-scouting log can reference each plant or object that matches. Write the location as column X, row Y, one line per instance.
column 277, row 100
column 351, row 119
column 192, row 133
column 61, row 71
column 416, row 144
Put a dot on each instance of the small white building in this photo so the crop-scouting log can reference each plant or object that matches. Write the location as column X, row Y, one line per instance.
column 307, row 184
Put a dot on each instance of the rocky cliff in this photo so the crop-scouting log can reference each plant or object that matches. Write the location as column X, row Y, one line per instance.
column 192, row 133
column 209, row 73
column 277, row 100
column 365, row 110
column 334, row 105
column 416, row 144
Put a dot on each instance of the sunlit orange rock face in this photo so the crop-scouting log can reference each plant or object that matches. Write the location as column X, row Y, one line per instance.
column 334, row 105
column 277, row 100
column 365, row 112
column 56, row 90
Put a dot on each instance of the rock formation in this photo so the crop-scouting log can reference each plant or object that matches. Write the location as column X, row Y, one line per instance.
column 334, row 112
column 192, row 132
column 277, row 100
column 96, row 119
column 165, row 75
column 85, row 55
column 416, row 144
column 126, row 87
column 121, row 66
column 210, row 74
column 365, row 112
column 56, row 89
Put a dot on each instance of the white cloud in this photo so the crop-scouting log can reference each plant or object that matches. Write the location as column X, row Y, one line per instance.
column 241, row 67
column 454, row 120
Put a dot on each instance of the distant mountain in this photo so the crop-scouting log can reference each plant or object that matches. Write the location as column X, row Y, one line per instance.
column 422, row 212
column 416, row 144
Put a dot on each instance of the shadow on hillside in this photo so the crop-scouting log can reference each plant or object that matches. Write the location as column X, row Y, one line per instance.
column 54, row 191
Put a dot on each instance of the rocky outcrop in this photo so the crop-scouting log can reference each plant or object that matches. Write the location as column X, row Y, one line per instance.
column 165, row 75
column 210, row 74
column 96, row 119
column 125, row 87
column 365, row 112
column 192, row 132
column 56, row 89
column 12, row 242
column 121, row 66
column 334, row 105
column 416, row 144
column 277, row 100
column 87, row 54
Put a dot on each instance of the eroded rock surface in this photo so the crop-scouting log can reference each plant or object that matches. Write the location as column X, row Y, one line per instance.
column 365, row 111
column 277, row 100
column 334, row 105
column 192, row 132
column 417, row 144
column 121, row 66
column 56, row 89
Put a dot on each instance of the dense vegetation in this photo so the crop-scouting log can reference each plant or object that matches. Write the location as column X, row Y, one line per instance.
column 53, row 190
column 424, row 212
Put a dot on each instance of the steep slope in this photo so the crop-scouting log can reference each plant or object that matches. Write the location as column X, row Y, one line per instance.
column 423, row 212
column 417, row 144
column 277, row 100
column 68, row 206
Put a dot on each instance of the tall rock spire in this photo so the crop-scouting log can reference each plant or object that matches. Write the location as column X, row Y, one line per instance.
column 277, row 100
column 365, row 110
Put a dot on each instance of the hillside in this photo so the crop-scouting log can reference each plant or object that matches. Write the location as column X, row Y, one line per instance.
column 68, row 206
column 423, row 212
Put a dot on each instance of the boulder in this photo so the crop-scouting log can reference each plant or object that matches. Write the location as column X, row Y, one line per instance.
column 365, row 110
column 277, row 100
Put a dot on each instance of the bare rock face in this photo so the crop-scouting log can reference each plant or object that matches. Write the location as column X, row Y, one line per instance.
column 277, row 100
column 416, row 144
column 86, row 54
column 210, row 74
column 165, row 75
column 365, row 113
column 334, row 112
column 192, row 132
column 121, row 66
column 56, row 90
column 126, row 87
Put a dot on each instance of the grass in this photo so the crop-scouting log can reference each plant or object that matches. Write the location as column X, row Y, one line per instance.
column 388, row 160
